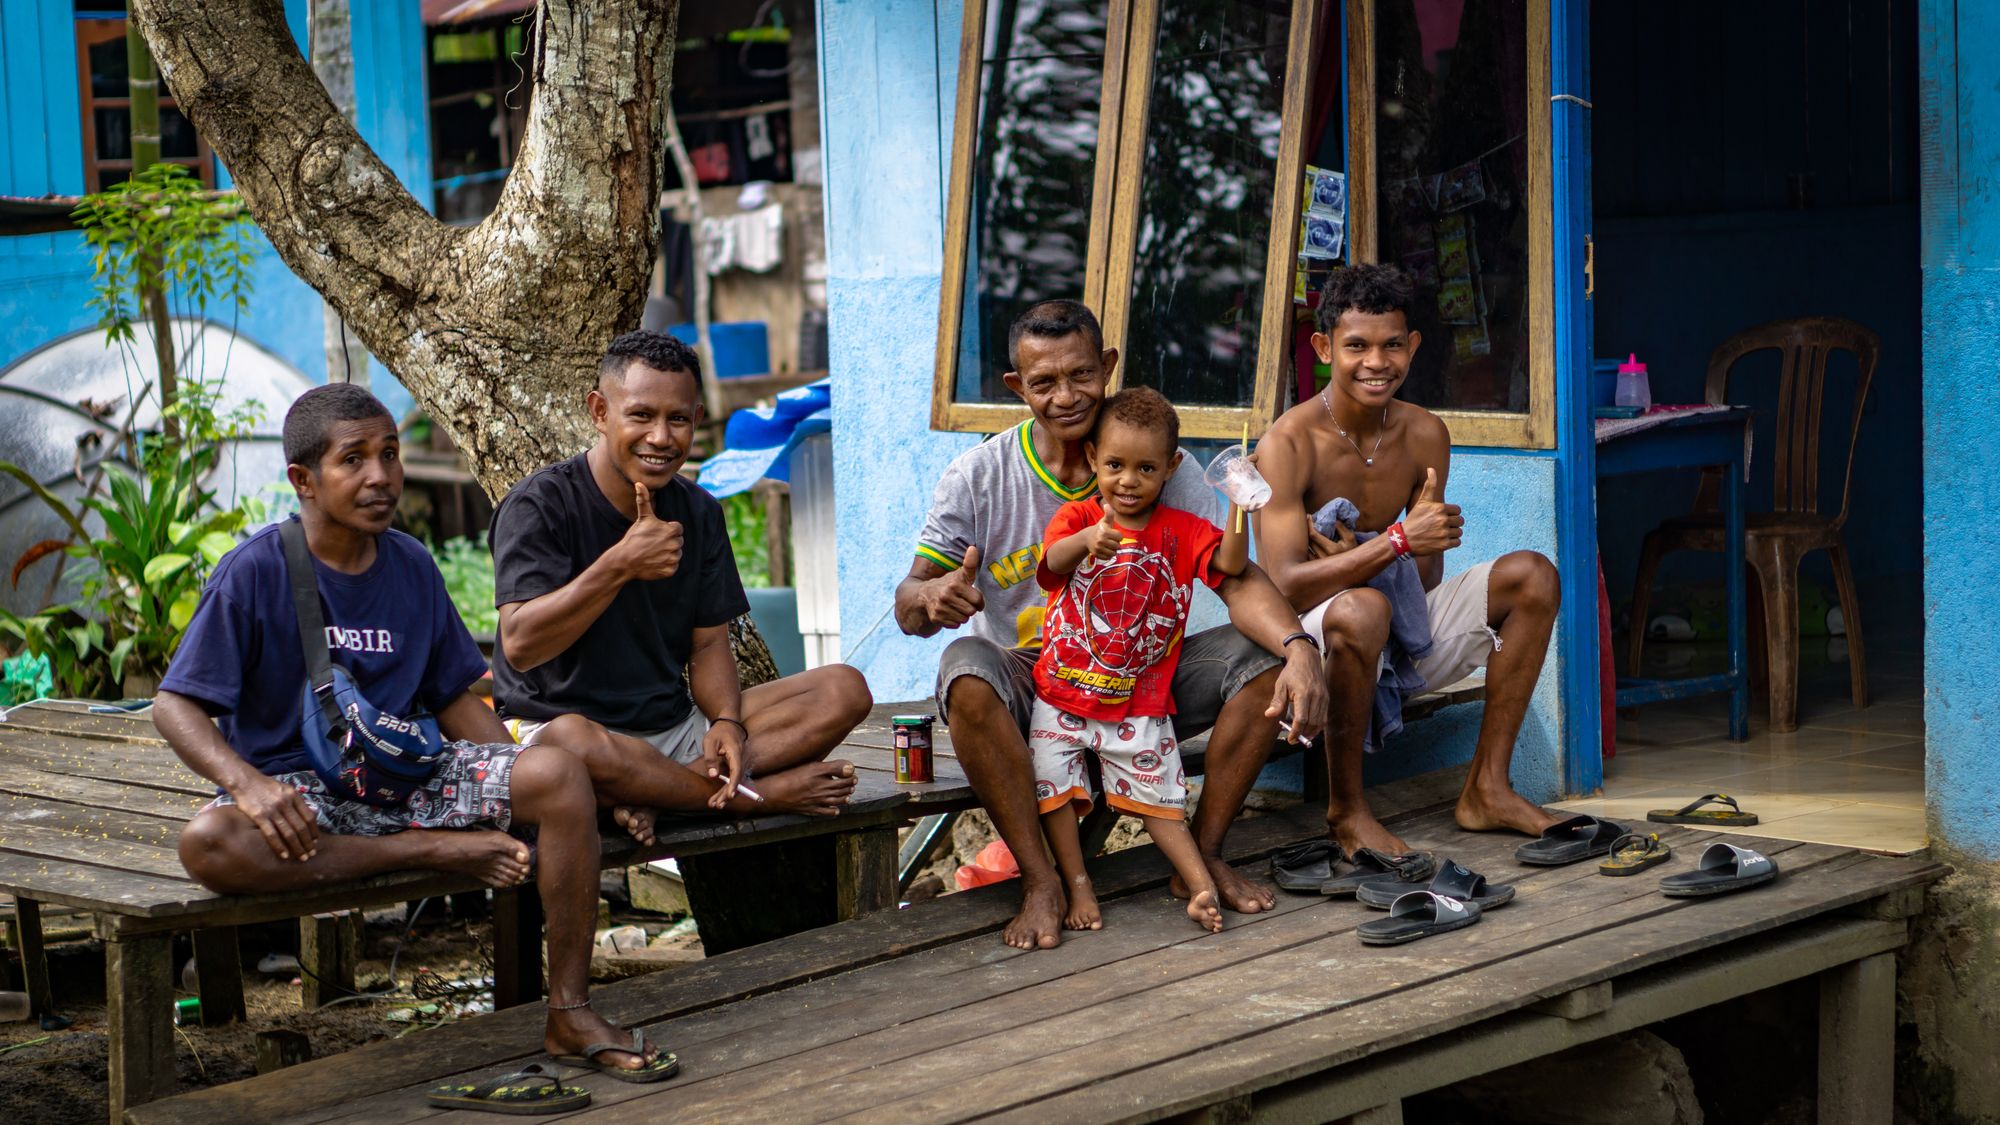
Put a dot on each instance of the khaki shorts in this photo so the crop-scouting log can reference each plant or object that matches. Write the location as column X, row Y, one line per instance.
column 681, row 743
column 1461, row 639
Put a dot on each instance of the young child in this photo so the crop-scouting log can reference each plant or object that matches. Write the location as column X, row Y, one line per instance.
column 1120, row 571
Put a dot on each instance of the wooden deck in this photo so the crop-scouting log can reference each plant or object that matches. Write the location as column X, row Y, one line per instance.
column 922, row 1015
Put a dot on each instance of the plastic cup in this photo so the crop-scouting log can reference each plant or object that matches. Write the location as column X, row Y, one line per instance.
column 1232, row 473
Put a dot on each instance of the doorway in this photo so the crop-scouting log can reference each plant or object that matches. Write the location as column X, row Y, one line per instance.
column 1753, row 163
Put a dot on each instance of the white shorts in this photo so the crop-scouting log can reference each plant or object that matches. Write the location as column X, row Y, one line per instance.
column 680, row 743
column 1461, row 639
column 1139, row 757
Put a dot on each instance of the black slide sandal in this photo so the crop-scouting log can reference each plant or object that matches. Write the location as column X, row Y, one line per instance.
column 1453, row 880
column 1694, row 813
column 1302, row 868
column 1723, row 868
column 1370, row 866
column 1418, row 914
column 1580, row 837
column 533, row 1089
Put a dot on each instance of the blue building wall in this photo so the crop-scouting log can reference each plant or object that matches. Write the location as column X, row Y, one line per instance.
column 888, row 73
column 45, row 279
column 1959, row 45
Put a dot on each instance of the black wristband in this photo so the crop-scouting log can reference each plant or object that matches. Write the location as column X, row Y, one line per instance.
column 738, row 722
column 1301, row 635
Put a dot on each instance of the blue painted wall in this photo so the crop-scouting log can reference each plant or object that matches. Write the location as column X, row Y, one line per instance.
column 45, row 279
column 888, row 73
column 1959, row 51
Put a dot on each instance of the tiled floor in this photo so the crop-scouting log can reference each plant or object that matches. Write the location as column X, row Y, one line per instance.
column 1846, row 776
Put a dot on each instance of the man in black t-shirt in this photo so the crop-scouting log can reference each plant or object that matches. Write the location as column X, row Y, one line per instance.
column 613, row 573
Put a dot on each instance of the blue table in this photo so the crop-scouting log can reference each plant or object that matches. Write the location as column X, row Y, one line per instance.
column 1697, row 441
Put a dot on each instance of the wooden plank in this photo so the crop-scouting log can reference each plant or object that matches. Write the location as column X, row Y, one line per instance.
column 218, row 966
column 329, row 947
column 122, row 727
column 864, row 872
column 645, row 1001
column 92, row 823
column 29, row 840
column 34, row 957
column 92, row 888
column 125, row 765
column 139, row 994
column 517, row 946
column 1857, row 1041
column 1268, row 1056
column 18, row 780
column 1576, row 1004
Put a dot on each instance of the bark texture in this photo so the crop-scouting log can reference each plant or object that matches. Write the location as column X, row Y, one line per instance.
column 496, row 329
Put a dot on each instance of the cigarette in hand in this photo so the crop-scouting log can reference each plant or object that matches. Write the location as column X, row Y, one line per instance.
column 1304, row 740
column 749, row 792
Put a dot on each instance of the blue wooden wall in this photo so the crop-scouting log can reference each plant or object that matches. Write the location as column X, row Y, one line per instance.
column 45, row 279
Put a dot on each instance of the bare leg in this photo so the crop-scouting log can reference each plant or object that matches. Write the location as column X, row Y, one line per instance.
column 224, row 852
column 801, row 718
column 996, row 761
column 1522, row 597
column 1172, row 837
column 1238, row 747
column 1060, row 824
column 1357, row 626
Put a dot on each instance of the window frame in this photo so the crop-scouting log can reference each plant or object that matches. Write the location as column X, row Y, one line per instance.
column 1114, row 216
column 90, row 31
column 1535, row 429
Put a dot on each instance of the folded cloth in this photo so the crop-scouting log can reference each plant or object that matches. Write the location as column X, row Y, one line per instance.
column 1409, row 626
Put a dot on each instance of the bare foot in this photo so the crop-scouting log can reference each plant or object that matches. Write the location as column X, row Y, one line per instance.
column 1206, row 914
column 1243, row 895
column 1361, row 830
column 494, row 858
column 639, row 822
column 1038, row 924
column 568, row 1033
column 813, row 789
column 1484, row 810
column 1083, row 913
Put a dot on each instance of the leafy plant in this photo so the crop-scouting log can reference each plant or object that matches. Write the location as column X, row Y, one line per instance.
column 745, row 518
column 468, row 578
column 162, row 224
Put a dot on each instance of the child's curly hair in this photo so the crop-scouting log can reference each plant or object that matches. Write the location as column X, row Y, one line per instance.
column 1142, row 408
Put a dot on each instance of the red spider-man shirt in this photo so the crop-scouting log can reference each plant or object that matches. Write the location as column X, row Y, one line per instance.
column 1112, row 634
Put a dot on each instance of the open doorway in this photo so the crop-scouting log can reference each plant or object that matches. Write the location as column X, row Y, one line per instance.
column 1756, row 163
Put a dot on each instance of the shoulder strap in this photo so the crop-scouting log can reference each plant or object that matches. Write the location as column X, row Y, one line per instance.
column 312, row 624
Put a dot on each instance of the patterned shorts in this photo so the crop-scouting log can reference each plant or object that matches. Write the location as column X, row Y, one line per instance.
column 1138, row 756
column 471, row 789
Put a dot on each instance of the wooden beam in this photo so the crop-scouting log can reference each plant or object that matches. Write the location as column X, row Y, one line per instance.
column 139, row 995
column 34, row 957
column 218, row 965
column 1857, row 1041
column 865, row 871
column 517, row 946
column 1590, row 1000
column 329, row 946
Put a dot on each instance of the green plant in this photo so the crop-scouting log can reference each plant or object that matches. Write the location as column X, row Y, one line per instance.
column 468, row 578
column 744, row 515
column 162, row 220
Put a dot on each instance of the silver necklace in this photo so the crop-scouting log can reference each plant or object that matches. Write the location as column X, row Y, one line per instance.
column 1368, row 458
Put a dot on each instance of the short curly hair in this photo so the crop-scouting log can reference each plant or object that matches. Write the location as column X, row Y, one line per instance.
column 1141, row 408
column 1366, row 287
column 657, row 350
column 311, row 419
column 1053, row 320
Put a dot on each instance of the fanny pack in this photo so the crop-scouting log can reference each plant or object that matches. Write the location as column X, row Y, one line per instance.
column 362, row 752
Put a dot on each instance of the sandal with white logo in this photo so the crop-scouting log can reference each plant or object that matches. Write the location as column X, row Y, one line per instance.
column 1418, row 914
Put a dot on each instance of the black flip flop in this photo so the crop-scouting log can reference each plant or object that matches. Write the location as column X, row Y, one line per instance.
column 1371, row 866
column 1417, row 914
column 1302, row 868
column 1567, row 841
column 533, row 1089
column 1693, row 813
column 1723, row 868
column 1453, row 880
column 659, row 1070
column 1633, row 853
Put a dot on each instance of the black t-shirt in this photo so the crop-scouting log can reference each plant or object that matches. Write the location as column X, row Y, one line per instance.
column 625, row 670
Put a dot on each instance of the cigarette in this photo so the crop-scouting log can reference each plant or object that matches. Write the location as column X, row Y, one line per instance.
column 1304, row 740
column 749, row 792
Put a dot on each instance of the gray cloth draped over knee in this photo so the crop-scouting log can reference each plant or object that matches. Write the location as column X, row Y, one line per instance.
column 1409, row 626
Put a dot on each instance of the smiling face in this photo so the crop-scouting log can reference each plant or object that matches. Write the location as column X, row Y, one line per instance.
column 1370, row 355
column 1062, row 379
column 645, row 421
column 359, row 478
column 1132, row 465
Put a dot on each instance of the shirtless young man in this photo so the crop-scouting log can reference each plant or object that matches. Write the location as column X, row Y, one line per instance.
column 1390, row 458
column 975, row 568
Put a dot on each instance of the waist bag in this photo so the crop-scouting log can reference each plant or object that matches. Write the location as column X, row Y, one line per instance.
column 362, row 752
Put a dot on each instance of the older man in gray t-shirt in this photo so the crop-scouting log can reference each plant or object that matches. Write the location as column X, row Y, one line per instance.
column 975, row 567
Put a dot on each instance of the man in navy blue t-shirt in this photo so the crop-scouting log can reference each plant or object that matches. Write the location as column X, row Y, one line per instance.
column 230, row 707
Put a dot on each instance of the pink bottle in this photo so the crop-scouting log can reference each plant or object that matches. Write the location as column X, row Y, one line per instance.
column 1633, row 389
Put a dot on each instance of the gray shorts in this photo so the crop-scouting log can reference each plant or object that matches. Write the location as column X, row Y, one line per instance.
column 681, row 743
column 1215, row 664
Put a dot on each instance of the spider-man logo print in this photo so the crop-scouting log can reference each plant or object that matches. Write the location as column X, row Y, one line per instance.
column 1121, row 617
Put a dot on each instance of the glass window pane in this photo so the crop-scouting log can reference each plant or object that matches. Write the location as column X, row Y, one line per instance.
column 108, row 73
column 177, row 138
column 1206, row 191
column 1028, row 233
column 1452, row 199
column 114, row 133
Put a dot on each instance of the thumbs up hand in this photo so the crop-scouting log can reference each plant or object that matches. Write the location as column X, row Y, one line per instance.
column 952, row 599
column 1105, row 538
column 652, row 546
column 1433, row 526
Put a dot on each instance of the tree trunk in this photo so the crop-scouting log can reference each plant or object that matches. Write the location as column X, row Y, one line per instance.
column 496, row 329
column 142, row 82
column 330, row 43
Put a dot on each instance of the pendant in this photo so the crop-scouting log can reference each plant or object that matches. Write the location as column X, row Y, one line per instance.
column 1368, row 462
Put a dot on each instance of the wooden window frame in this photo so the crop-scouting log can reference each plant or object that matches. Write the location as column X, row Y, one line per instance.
column 1114, row 208
column 1535, row 429
column 89, row 33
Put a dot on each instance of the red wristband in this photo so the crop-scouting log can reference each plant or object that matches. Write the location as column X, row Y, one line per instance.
column 1399, row 540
